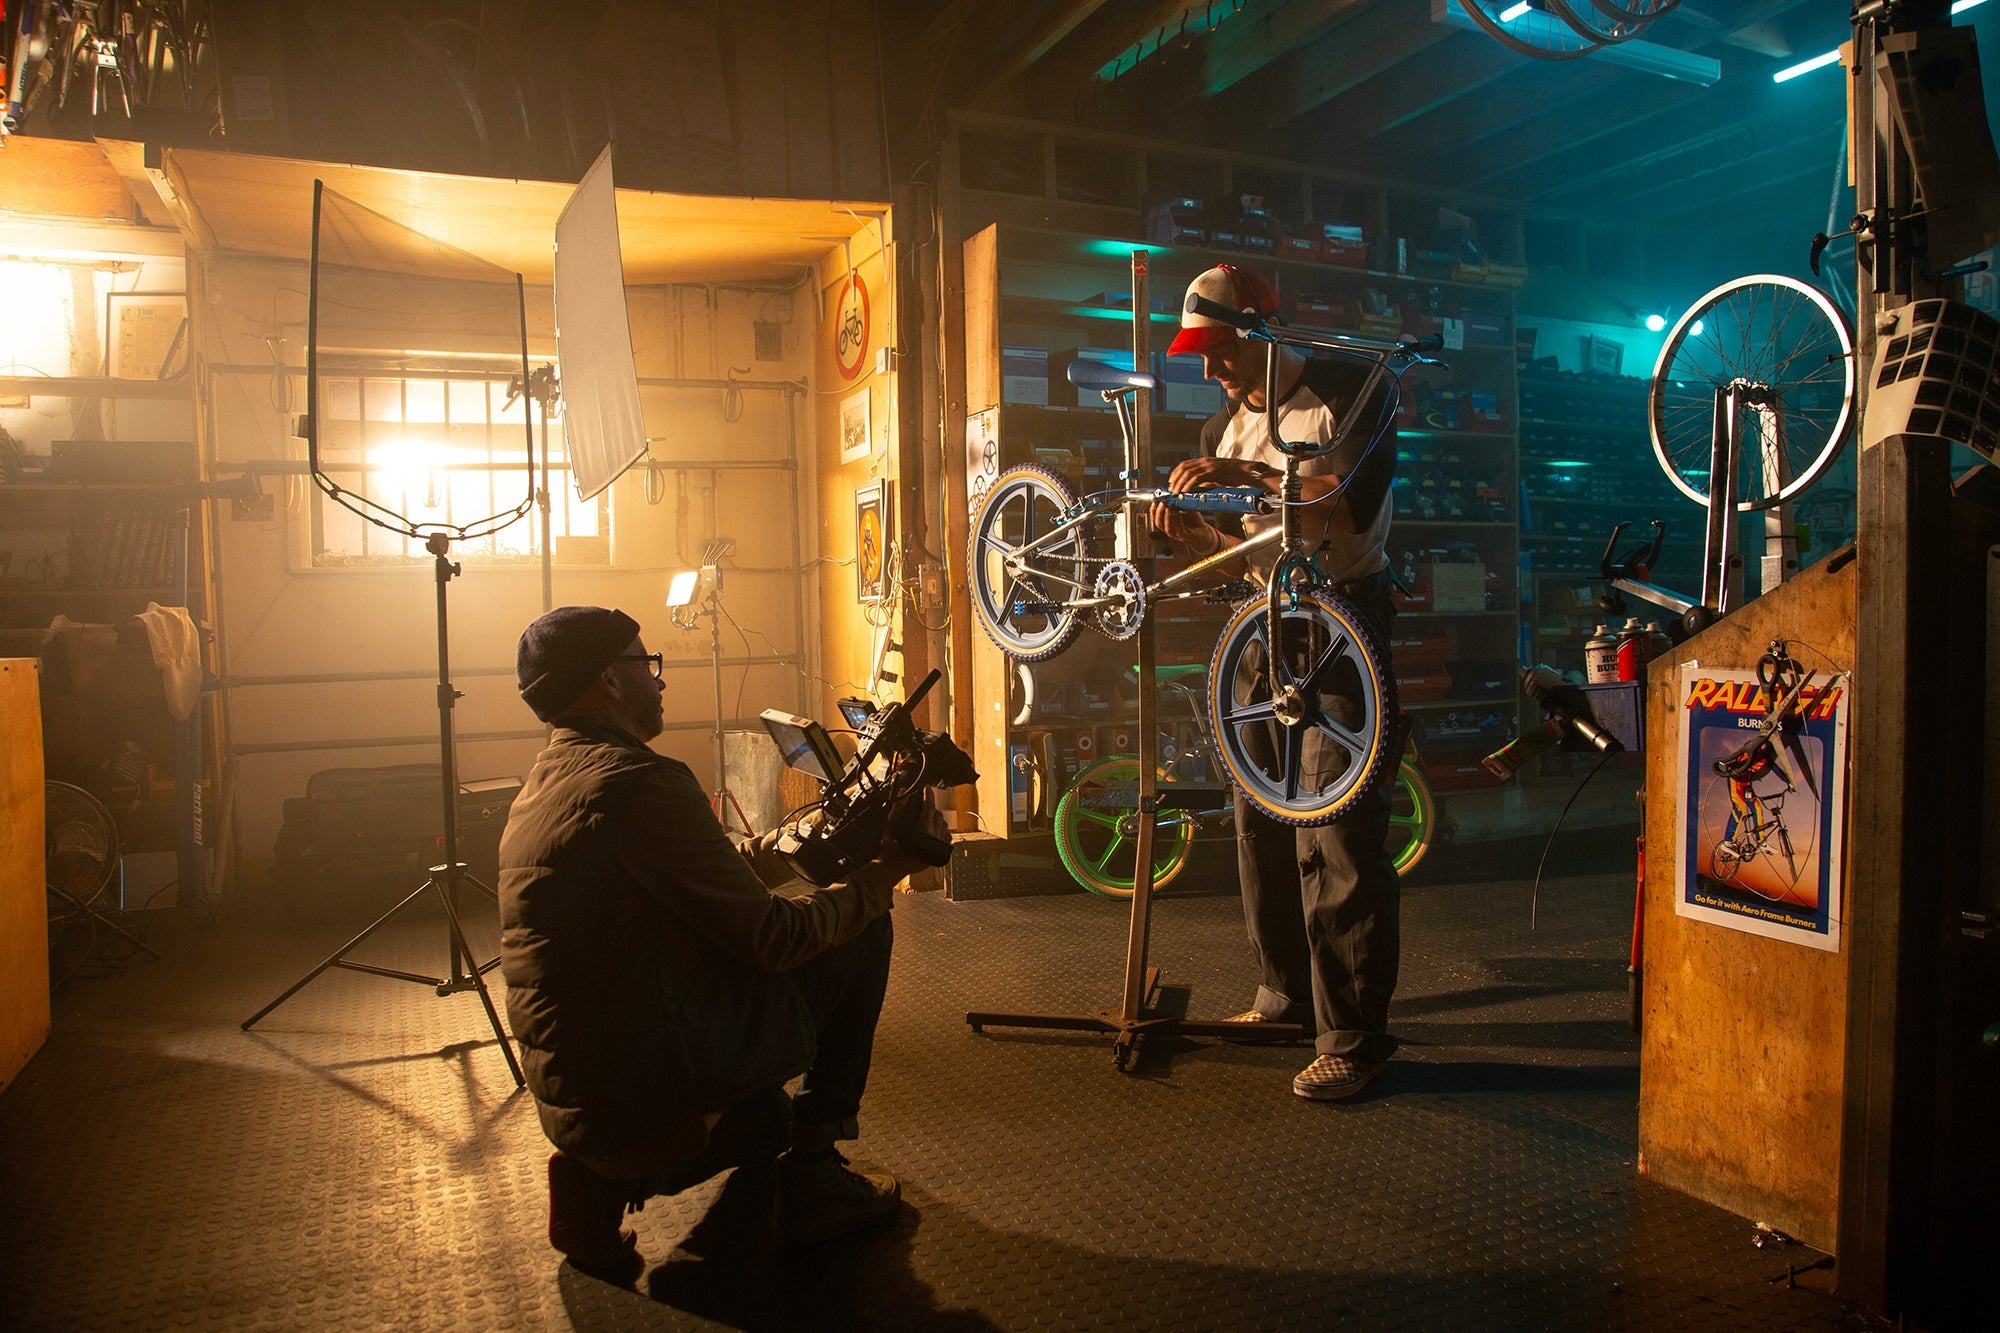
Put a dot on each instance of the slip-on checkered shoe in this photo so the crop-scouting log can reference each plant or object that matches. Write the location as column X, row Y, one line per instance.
column 1331, row 1077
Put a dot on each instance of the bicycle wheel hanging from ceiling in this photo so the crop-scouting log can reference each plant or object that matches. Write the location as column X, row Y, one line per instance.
column 1564, row 29
column 1786, row 350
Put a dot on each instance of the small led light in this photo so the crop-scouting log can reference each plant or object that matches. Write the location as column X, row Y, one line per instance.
column 1654, row 323
column 1694, row 329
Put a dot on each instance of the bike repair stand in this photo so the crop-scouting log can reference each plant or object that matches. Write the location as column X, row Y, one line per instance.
column 464, row 973
column 1721, row 575
column 1136, row 1016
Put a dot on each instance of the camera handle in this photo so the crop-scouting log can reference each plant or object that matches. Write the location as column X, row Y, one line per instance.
column 909, row 835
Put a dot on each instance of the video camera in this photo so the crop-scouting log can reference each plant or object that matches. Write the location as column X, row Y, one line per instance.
column 893, row 759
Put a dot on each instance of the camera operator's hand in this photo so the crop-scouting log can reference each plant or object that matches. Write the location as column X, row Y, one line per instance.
column 913, row 823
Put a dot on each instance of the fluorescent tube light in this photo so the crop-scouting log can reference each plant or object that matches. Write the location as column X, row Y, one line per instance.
column 1806, row 66
column 1512, row 12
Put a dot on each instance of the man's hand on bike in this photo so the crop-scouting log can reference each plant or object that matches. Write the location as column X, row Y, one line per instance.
column 1190, row 529
column 1199, row 474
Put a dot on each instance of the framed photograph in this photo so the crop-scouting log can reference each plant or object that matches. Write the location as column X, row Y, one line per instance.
column 871, row 544
column 145, row 335
column 1602, row 356
column 855, row 441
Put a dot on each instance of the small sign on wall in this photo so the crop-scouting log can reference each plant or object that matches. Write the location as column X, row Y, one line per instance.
column 1761, row 847
column 855, row 439
column 871, row 544
column 850, row 327
column 146, row 335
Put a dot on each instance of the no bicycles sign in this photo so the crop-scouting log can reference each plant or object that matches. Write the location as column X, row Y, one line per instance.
column 850, row 327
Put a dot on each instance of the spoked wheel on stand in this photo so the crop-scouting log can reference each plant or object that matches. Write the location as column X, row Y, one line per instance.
column 1303, row 732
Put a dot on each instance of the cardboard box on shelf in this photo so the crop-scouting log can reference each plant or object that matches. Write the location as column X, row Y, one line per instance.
column 1024, row 375
column 1457, row 587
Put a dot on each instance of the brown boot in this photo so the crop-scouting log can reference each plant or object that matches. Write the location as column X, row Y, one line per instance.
column 586, row 1220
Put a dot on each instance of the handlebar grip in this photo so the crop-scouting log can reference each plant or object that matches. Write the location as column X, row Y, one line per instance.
column 1223, row 314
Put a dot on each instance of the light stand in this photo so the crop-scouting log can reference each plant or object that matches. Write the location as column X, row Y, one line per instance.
column 693, row 595
column 464, row 972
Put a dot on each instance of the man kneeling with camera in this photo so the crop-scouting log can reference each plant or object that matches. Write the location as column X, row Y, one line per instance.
column 661, row 993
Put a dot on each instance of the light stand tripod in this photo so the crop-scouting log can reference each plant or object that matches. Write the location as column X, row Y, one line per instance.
column 464, row 972
column 692, row 596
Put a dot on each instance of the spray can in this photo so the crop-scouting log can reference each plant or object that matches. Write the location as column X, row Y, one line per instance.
column 1600, row 657
column 1661, row 643
column 1634, row 650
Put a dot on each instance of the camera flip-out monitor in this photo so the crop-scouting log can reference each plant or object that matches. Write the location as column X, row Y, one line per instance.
column 804, row 744
column 858, row 712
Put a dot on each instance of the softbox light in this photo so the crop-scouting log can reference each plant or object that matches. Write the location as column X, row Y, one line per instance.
column 603, row 427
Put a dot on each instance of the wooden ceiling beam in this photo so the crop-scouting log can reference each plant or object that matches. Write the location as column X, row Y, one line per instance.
column 1662, row 130
column 1429, row 81
column 1249, row 41
column 1365, row 45
column 1045, row 37
column 1063, row 77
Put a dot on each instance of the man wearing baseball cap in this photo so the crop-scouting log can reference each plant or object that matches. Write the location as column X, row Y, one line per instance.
column 1321, row 904
column 661, row 992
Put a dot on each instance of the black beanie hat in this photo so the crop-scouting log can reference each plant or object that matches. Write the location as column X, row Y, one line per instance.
column 562, row 652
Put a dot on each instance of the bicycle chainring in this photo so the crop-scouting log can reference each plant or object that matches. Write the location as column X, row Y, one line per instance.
column 1124, row 609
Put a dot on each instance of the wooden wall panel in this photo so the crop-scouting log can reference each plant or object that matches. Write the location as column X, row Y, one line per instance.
column 982, row 321
column 24, row 915
column 62, row 178
column 1741, row 1057
column 859, row 170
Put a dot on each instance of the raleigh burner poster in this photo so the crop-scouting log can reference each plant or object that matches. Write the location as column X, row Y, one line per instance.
column 1761, row 852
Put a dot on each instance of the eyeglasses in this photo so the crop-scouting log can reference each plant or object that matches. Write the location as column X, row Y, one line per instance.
column 655, row 661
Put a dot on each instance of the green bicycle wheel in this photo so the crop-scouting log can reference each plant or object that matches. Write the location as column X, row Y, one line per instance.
column 1093, row 831
column 1412, row 818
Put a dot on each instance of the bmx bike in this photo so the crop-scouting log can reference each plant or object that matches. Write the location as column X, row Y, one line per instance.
column 1039, row 566
column 1096, row 819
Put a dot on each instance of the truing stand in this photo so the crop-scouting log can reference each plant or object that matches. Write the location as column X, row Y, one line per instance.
column 1136, row 1016
column 464, row 973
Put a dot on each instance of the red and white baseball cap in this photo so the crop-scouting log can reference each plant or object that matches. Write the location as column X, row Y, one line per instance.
column 1225, row 284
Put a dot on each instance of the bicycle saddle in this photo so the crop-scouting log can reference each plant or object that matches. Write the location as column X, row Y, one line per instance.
column 1100, row 378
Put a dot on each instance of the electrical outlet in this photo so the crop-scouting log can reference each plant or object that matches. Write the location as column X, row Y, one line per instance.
column 259, row 508
column 930, row 588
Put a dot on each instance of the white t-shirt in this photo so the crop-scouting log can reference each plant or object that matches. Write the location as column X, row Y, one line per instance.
column 1357, row 527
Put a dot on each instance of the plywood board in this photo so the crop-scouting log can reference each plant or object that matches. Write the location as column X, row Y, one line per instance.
column 263, row 205
column 24, row 915
column 1741, row 1054
column 62, row 178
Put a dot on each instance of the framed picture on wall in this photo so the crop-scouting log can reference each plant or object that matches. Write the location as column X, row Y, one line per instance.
column 855, row 441
column 871, row 544
column 1603, row 356
column 145, row 335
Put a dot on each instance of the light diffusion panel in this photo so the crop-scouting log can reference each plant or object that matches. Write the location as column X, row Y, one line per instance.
column 416, row 362
column 603, row 427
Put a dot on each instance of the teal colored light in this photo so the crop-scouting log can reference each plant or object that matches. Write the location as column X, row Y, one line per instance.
column 1113, row 312
column 1121, row 249
column 1790, row 72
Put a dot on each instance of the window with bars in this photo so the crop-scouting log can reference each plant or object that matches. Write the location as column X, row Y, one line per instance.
column 443, row 448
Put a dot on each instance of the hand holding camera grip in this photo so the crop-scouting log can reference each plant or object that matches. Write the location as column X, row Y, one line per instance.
column 908, row 831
